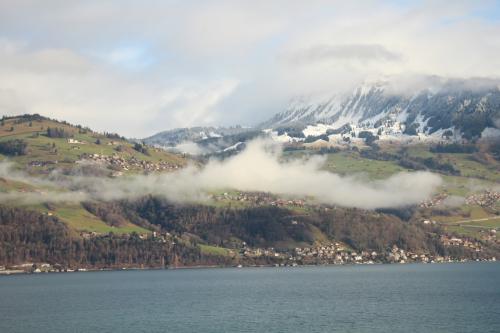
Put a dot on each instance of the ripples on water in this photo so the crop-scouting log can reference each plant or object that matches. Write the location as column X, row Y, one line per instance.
column 377, row 298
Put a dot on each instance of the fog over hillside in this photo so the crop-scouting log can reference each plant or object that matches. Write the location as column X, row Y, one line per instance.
column 257, row 168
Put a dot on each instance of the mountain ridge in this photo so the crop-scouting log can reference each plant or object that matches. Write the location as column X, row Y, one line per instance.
column 466, row 110
column 450, row 109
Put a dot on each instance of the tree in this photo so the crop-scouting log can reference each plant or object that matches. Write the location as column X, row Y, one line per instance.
column 55, row 132
column 141, row 148
column 368, row 136
column 13, row 147
column 494, row 148
column 447, row 134
column 411, row 129
column 312, row 138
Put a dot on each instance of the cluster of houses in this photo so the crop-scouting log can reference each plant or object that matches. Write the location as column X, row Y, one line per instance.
column 259, row 199
column 437, row 200
column 132, row 163
column 76, row 142
column 338, row 254
column 462, row 242
column 247, row 252
column 489, row 235
column 82, row 142
column 283, row 202
column 335, row 253
column 40, row 163
column 34, row 268
column 487, row 198
column 397, row 255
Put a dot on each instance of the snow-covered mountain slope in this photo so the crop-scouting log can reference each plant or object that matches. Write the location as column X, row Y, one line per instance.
column 177, row 136
column 203, row 140
column 466, row 112
column 450, row 110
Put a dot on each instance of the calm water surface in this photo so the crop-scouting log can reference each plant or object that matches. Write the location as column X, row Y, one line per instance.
column 377, row 298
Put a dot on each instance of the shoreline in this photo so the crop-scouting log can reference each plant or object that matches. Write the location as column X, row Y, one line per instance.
column 15, row 272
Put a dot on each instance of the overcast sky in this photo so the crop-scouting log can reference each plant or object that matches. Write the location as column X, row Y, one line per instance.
column 139, row 67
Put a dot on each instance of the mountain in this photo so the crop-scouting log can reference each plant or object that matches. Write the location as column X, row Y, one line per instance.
column 453, row 106
column 203, row 140
column 451, row 109
column 176, row 136
column 74, row 198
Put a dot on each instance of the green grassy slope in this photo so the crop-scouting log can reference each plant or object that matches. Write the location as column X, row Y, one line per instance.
column 474, row 177
column 44, row 154
column 43, row 148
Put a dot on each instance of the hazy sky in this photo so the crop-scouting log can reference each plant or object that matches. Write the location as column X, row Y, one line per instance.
column 138, row 67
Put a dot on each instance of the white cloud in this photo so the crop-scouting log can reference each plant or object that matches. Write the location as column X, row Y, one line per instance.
column 63, row 84
column 349, row 52
column 192, row 105
column 126, row 66
column 257, row 168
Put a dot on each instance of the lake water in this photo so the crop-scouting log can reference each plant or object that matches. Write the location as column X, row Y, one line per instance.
column 376, row 298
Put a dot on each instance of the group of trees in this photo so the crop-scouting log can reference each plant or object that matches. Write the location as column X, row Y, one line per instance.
column 371, row 231
column 27, row 236
column 454, row 148
column 264, row 226
column 114, row 136
column 472, row 124
column 494, row 148
column 314, row 138
column 13, row 147
column 141, row 148
column 411, row 129
column 292, row 131
column 256, row 226
column 56, row 132
column 368, row 136
column 107, row 211
column 419, row 163
column 341, row 130
column 328, row 150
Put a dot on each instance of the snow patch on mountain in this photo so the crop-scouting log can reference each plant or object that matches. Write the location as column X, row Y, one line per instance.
column 452, row 106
